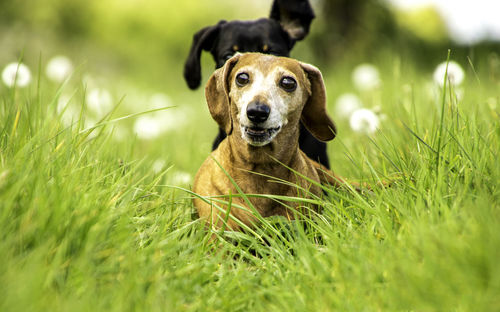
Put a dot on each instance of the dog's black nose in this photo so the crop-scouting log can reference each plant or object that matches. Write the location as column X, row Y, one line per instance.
column 258, row 112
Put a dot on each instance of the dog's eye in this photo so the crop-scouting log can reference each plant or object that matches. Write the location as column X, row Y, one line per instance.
column 242, row 79
column 288, row 84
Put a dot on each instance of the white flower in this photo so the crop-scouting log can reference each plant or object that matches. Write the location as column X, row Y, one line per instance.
column 172, row 119
column 181, row 177
column 364, row 120
column 99, row 101
column 158, row 165
column 346, row 104
column 16, row 74
column 147, row 127
column 59, row 68
column 366, row 77
column 455, row 74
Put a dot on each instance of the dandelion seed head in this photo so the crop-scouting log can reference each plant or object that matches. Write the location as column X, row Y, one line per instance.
column 16, row 74
column 158, row 165
column 364, row 120
column 346, row 104
column 99, row 101
column 59, row 68
column 172, row 119
column 366, row 77
column 181, row 178
column 456, row 74
column 147, row 127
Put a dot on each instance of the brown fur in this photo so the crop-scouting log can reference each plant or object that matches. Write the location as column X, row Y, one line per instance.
column 244, row 162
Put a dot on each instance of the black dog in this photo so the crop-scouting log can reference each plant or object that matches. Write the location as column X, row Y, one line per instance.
column 289, row 22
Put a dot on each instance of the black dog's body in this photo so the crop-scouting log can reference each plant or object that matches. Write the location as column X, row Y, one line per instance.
column 289, row 22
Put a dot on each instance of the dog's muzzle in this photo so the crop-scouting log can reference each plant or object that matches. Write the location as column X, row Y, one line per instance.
column 258, row 112
column 256, row 134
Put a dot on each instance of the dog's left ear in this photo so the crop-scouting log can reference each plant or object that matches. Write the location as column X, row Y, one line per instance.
column 295, row 17
column 217, row 95
column 203, row 40
column 314, row 115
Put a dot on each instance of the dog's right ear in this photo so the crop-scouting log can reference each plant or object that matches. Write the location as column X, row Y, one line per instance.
column 217, row 95
column 295, row 17
column 204, row 39
column 314, row 115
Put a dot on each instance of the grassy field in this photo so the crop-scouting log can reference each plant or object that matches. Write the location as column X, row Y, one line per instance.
column 90, row 221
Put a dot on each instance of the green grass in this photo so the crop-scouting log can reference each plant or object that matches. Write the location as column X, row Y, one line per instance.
column 86, row 224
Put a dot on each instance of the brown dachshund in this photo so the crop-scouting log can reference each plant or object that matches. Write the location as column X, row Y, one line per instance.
column 260, row 100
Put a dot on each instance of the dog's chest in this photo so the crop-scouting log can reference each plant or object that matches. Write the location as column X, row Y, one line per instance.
column 275, row 185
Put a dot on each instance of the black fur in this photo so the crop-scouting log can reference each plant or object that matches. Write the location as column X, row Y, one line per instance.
column 289, row 22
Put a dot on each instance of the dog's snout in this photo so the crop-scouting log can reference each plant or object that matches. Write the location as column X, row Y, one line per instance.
column 258, row 112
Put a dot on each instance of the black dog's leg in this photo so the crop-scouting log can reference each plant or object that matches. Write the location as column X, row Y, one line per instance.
column 312, row 147
column 220, row 136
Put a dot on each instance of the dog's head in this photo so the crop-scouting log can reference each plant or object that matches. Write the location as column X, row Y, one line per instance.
column 289, row 22
column 262, row 95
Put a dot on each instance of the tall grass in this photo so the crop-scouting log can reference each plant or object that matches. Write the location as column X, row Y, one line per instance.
column 86, row 225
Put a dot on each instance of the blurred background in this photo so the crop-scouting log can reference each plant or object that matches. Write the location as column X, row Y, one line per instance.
column 150, row 39
column 131, row 52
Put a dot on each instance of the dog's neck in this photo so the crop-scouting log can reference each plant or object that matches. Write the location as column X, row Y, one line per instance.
column 282, row 151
